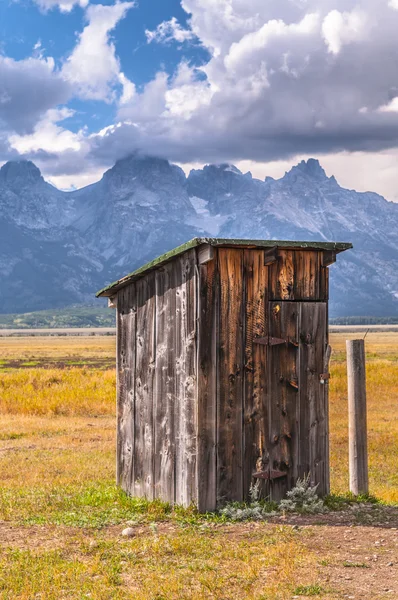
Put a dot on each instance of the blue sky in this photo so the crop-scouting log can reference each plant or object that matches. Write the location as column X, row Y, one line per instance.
column 260, row 83
column 23, row 24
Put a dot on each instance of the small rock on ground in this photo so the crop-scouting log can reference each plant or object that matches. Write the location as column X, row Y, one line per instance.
column 128, row 532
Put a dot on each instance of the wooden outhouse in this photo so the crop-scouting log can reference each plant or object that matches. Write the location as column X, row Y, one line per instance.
column 222, row 370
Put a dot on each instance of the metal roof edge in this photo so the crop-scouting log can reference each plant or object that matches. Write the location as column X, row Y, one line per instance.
column 110, row 289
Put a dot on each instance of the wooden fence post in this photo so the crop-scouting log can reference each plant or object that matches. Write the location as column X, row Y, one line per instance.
column 358, row 441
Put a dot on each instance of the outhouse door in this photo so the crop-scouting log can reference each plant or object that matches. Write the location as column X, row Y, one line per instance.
column 297, row 383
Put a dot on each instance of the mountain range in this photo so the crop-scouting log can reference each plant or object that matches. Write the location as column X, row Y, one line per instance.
column 57, row 248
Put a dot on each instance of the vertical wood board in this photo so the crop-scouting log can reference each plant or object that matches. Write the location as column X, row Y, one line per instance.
column 126, row 330
column 313, row 407
column 185, row 372
column 165, row 384
column 208, row 339
column 144, row 386
column 283, row 396
column 231, row 365
column 255, row 423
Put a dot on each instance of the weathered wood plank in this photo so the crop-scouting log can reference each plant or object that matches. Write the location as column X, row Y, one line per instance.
column 144, row 386
column 255, row 433
column 285, row 275
column 230, row 393
column 112, row 302
column 208, row 339
column 298, row 275
column 328, row 257
column 313, row 397
column 165, row 384
column 357, row 418
column 205, row 253
column 270, row 256
column 126, row 332
column 306, row 275
column 185, row 366
column 283, row 396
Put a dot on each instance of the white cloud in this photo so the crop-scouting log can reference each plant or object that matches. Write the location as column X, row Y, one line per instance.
column 284, row 78
column 343, row 28
column 63, row 5
column 128, row 89
column 390, row 107
column 257, row 41
column 169, row 31
column 69, row 183
column 48, row 136
column 93, row 67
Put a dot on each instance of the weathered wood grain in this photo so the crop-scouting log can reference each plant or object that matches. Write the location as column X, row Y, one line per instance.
column 298, row 275
column 144, row 387
column 313, row 396
column 328, row 257
column 208, row 340
column 218, row 375
column 126, row 333
column 205, row 253
column 230, row 377
column 255, row 422
column 283, row 396
column 165, row 384
column 185, row 372
column 357, row 418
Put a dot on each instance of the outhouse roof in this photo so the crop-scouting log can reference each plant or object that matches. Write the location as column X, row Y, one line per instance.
column 111, row 289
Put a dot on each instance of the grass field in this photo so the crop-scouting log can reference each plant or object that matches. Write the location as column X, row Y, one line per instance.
column 61, row 516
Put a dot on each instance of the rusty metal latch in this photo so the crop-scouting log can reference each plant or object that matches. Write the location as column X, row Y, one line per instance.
column 269, row 474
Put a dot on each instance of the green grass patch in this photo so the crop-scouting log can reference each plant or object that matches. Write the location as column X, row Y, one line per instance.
column 55, row 574
column 309, row 590
column 11, row 436
column 343, row 501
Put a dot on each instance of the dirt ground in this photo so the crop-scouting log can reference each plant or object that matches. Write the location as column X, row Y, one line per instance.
column 357, row 561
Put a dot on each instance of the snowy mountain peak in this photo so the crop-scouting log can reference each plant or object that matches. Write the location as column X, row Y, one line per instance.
column 20, row 174
column 227, row 168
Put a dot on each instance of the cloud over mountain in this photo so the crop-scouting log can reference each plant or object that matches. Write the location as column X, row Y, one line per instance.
column 281, row 78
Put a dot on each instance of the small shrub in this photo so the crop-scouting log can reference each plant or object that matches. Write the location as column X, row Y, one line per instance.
column 254, row 511
column 303, row 498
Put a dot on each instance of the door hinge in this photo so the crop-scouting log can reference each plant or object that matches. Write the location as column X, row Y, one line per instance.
column 274, row 341
column 269, row 474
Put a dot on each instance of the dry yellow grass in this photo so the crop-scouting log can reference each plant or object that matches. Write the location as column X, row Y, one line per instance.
column 84, row 391
column 36, row 348
column 58, row 501
column 382, row 397
column 72, row 391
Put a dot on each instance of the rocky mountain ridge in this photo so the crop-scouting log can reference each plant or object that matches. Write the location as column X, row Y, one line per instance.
column 57, row 248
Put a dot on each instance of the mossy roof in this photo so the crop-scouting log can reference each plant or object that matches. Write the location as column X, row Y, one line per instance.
column 111, row 289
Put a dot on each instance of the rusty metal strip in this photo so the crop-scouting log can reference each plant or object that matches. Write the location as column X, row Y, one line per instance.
column 274, row 341
column 269, row 474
